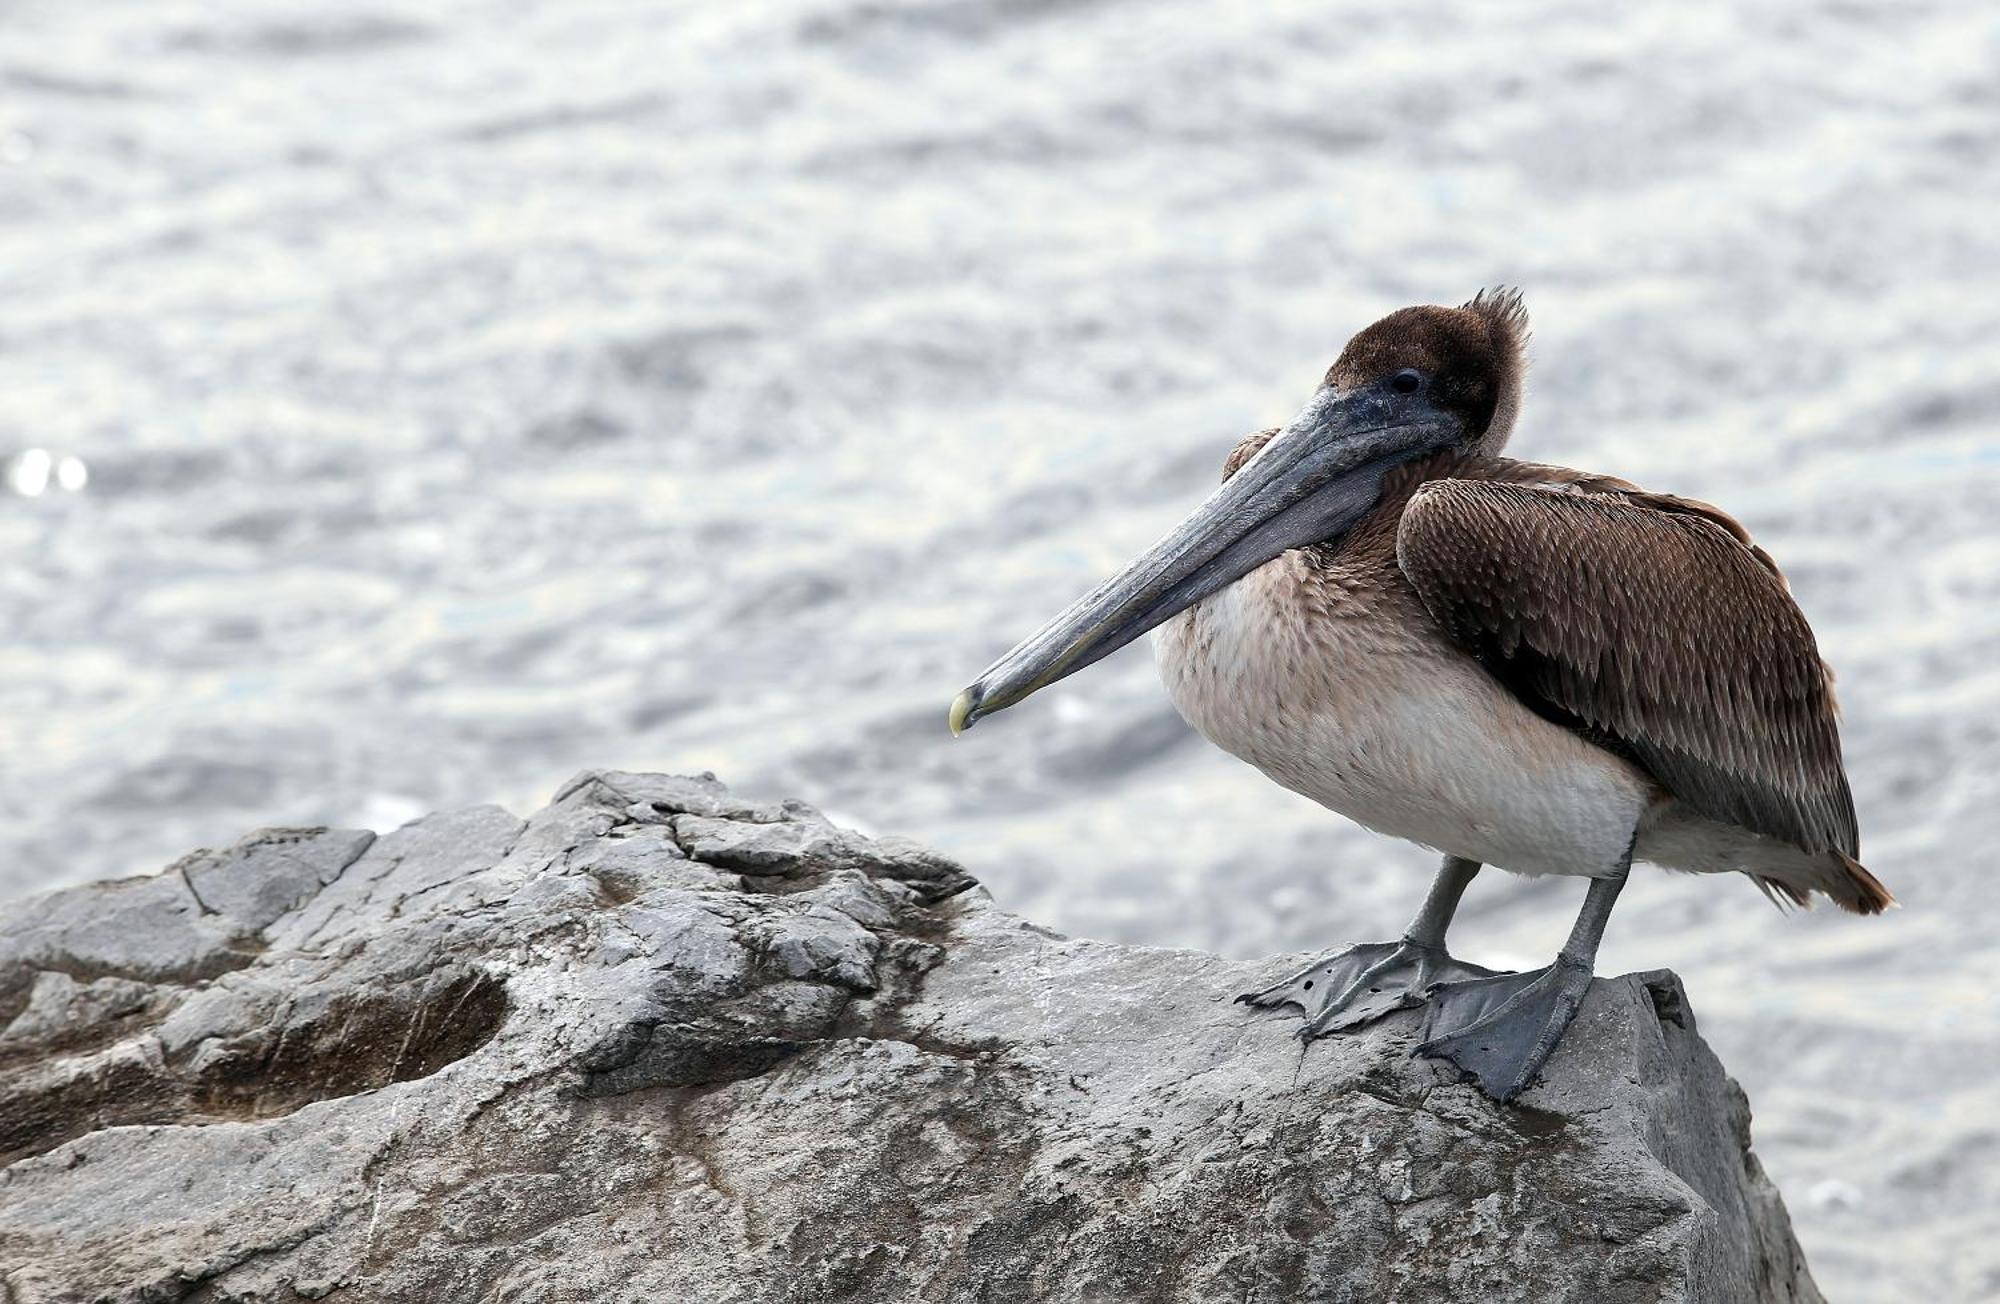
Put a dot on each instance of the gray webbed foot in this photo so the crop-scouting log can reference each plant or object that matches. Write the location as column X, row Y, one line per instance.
column 1502, row 1029
column 1363, row 983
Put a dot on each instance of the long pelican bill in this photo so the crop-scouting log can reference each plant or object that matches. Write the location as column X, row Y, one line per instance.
column 1312, row 481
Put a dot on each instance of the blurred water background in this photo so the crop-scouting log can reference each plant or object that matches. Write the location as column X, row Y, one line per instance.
column 409, row 405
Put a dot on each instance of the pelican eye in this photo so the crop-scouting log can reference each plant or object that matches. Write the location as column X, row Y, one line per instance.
column 1407, row 381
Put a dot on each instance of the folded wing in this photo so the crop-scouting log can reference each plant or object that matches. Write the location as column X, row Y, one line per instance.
column 1653, row 626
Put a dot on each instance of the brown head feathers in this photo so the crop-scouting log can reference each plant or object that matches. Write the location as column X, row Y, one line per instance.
column 1474, row 356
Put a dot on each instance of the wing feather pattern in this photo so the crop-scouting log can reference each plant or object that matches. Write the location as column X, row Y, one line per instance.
column 1651, row 624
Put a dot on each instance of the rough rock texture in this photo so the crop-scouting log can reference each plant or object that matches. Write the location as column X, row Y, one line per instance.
column 659, row 1044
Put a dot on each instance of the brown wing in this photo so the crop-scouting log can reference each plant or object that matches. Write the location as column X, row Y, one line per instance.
column 1652, row 625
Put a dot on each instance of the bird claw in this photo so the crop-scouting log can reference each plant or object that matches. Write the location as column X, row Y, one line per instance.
column 1501, row 1030
column 1361, row 984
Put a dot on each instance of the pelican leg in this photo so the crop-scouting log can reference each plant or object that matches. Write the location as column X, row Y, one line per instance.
column 1373, row 979
column 1502, row 1029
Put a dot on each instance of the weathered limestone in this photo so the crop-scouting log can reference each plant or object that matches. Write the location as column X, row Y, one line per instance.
column 657, row 1043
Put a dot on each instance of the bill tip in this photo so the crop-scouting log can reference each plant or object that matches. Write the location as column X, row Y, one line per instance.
column 961, row 711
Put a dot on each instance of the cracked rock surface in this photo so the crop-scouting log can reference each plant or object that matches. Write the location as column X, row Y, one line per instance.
column 657, row 1043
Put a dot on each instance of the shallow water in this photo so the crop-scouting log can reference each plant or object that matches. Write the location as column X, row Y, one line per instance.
column 472, row 393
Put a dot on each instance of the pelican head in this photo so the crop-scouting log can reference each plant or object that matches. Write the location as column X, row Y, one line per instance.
column 1421, row 381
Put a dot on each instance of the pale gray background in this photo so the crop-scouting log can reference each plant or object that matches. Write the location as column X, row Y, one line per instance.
column 476, row 392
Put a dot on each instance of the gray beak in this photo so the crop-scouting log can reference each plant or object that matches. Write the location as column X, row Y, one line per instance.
column 1310, row 483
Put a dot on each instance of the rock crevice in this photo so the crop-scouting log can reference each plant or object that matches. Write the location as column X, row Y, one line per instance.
column 660, row 1042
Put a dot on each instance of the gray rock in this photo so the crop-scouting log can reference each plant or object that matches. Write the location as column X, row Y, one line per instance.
column 658, row 1044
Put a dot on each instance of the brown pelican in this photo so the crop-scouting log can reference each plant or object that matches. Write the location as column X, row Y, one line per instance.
column 1517, row 665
